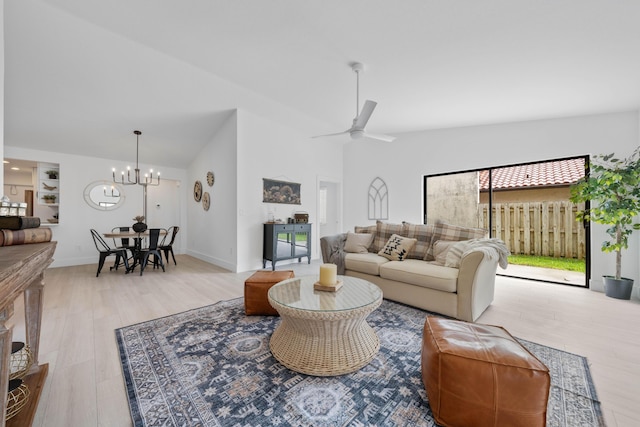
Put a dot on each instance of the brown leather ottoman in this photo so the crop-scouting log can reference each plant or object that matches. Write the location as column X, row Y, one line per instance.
column 256, row 288
column 478, row 375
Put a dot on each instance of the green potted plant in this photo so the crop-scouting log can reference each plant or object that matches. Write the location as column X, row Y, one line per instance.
column 53, row 174
column 49, row 198
column 613, row 188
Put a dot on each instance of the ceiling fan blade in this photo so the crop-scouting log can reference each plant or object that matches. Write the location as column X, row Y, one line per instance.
column 331, row 134
column 365, row 114
column 379, row 137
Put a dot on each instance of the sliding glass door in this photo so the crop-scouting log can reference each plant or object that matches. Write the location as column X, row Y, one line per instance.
column 527, row 206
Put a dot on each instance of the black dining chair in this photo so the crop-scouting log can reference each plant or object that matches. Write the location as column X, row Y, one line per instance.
column 168, row 247
column 123, row 242
column 153, row 249
column 105, row 250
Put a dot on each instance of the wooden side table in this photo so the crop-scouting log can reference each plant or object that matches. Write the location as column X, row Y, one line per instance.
column 22, row 272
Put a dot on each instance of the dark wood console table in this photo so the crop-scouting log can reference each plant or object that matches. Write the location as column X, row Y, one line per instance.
column 286, row 241
column 22, row 272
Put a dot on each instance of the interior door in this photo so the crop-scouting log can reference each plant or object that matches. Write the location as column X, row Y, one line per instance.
column 163, row 206
column 28, row 198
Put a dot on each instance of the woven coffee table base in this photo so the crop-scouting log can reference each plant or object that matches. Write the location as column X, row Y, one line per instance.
column 324, row 343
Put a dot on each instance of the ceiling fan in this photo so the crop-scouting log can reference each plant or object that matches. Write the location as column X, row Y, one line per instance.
column 362, row 117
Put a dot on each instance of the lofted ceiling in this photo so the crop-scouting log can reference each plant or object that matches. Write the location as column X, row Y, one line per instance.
column 81, row 75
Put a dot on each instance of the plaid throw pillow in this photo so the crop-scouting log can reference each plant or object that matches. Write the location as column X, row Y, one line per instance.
column 369, row 229
column 384, row 231
column 444, row 231
column 422, row 233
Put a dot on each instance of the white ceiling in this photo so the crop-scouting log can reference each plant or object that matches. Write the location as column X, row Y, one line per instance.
column 81, row 75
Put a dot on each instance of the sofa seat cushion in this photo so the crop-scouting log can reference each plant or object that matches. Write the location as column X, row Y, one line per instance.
column 421, row 273
column 365, row 263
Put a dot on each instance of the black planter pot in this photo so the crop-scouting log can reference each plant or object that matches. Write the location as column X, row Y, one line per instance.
column 139, row 227
column 617, row 288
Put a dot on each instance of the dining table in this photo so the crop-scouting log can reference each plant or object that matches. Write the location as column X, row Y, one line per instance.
column 137, row 239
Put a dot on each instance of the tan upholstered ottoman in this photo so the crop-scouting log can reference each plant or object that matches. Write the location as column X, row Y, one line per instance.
column 478, row 375
column 256, row 288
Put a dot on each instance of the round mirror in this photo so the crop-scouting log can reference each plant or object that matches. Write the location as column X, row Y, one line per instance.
column 104, row 195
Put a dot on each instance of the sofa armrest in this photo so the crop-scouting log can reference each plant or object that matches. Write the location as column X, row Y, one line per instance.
column 476, row 284
column 332, row 248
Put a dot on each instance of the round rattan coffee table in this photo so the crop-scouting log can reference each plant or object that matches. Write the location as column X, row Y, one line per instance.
column 324, row 333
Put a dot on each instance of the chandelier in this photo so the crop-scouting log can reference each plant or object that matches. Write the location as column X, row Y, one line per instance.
column 147, row 179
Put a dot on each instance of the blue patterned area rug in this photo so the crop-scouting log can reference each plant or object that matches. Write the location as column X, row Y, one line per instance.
column 212, row 367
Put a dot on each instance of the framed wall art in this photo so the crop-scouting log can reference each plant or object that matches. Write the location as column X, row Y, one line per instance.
column 274, row 191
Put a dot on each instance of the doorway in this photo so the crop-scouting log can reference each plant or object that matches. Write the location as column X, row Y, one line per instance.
column 329, row 221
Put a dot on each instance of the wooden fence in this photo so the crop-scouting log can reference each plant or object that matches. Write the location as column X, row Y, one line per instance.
column 537, row 228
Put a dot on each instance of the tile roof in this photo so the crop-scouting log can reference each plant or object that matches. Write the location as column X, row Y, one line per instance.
column 534, row 175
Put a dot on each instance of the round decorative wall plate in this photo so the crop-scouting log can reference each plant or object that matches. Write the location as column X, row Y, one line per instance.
column 197, row 191
column 210, row 178
column 206, row 201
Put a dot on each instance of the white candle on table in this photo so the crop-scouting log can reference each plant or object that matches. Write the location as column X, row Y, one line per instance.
column 328, row 274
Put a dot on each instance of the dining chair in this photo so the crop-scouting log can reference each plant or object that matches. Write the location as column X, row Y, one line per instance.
column 168, row 248
column 153, row 249
column 123, row 242
column 105, row 250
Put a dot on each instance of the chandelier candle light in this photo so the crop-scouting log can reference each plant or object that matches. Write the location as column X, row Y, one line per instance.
column 114, row 193
column 145, row 181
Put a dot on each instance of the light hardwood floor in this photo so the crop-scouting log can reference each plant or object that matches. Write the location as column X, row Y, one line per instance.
column 85, row 386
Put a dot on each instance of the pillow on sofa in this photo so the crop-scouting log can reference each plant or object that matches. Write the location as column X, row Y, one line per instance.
column 384, row 231
column 368, row 229
column 444, row 231
column 397, row 248
column 441, row 249
column 358, row 243
column 422, row 233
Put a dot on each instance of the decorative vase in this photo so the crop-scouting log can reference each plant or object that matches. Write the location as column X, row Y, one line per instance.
column 139, row 227
column 617, row 288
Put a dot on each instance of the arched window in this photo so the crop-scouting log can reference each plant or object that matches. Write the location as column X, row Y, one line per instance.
column 378, row 200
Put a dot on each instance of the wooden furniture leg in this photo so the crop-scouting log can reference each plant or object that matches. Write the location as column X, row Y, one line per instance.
column 22, row 272
column 33, row 304
column 5, row 344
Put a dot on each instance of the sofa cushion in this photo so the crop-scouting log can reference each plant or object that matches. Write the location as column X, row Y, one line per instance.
column 368, row 229
column 421, row 273
column 397, row 247
column 365, row 263
column 358, row 242
column 444, row 231
column 422, row 233
column 384, row 231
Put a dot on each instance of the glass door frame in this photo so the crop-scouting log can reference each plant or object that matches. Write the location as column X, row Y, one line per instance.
column 585, row 224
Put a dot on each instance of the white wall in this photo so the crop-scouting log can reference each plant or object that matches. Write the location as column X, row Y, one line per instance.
column 212, row 234
column 403, row 163
column 75, row 245
column 269, row 150
column 246, row 149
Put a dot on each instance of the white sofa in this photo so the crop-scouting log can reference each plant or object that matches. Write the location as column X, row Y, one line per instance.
column 462, row 292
